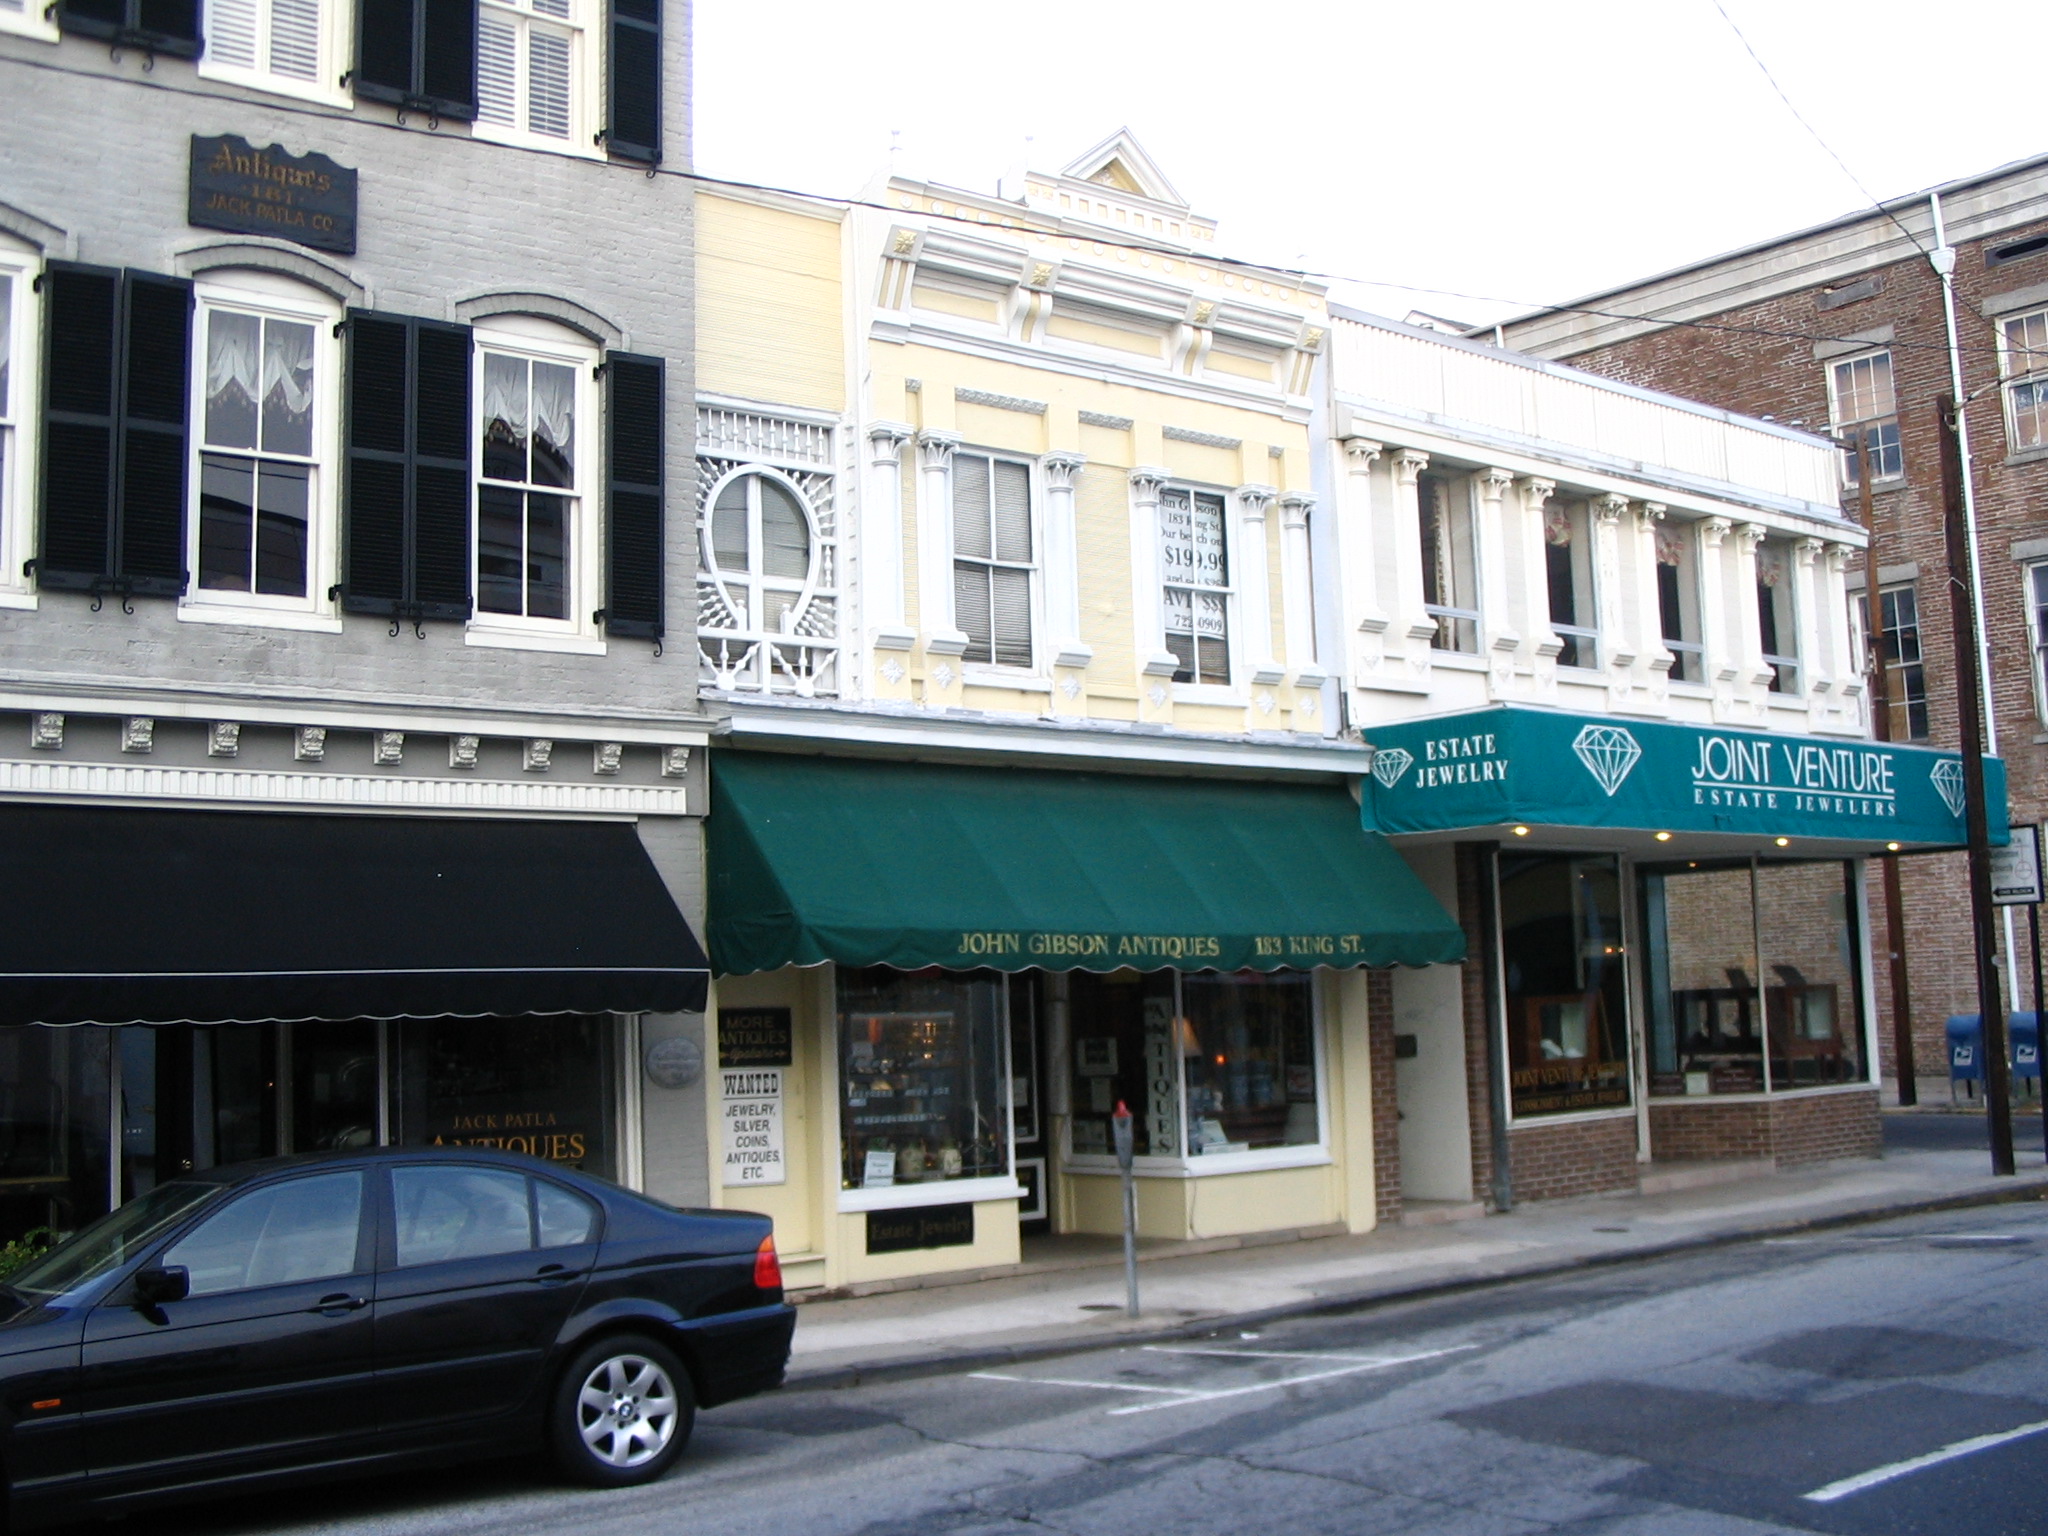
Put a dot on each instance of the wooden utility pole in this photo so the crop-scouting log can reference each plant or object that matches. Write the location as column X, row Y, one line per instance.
column 1881, row 721
column 1962, row 601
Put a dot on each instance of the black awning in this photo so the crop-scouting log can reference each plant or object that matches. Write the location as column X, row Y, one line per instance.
column 165, row 916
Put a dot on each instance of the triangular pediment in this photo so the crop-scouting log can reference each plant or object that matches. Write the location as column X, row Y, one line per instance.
column 1121, row 163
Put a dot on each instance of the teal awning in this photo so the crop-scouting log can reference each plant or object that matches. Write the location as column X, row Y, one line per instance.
column 1543, row 767
column 913, row 864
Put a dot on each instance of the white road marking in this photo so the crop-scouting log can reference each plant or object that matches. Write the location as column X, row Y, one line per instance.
column 1061, row 1381
column 1884, row 1474
column 1181, row 1396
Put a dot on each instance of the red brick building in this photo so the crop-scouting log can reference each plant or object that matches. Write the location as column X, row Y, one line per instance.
column 1840, row 329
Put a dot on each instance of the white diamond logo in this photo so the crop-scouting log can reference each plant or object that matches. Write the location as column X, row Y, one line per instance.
column 1948, row 778
column 1609, row 753
column 1389, row 763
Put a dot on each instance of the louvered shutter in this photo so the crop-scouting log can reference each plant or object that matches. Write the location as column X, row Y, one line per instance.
column 635, row 414
column 159, row 26
column 406, row 540
column 633, row 124
column 441, row 482
column 81, row 401
column 157, row 363
column 419, row 54
column 231, row 33
column 295, row 38
column 379, row 464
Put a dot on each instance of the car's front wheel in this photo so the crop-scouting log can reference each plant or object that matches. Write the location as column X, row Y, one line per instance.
column 622, row 1413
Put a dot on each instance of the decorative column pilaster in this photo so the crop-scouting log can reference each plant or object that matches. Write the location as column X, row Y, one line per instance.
column 1062, row 559
column 1816, row 674
column 1156, row 664
column 1254, row 583
column 1415, row 630
column 1359, row 562
column 943, row 643
column 1617, row 653
column 1540, row 643
column 1846, row 662
column 890, row 636
column 1720, row 634
column 1298, row 615
column 1499, row 638
column 1652, row 658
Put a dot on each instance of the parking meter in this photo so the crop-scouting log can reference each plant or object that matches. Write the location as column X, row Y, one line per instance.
column 1120, row 1130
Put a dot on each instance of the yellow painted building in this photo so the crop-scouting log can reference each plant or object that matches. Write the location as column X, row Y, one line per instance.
column 1008, row 518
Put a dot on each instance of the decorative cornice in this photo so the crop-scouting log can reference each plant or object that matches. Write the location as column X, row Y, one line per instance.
column 1202, row 439
column 1000, row 402
column 1107, row 423
column 313, row 791
column 584, row 321
column 1408, row 464
column 1061, row 467
column 254, row 253
column 935, row 449
column 50, row 239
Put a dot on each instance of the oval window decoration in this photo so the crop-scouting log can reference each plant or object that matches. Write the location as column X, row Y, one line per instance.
column 761, row 545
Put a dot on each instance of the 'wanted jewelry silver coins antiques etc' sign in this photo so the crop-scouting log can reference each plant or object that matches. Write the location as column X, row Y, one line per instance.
column 306, row 199
column 1511, row 765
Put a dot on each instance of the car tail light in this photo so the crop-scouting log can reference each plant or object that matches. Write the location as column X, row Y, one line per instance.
column 767, row 1267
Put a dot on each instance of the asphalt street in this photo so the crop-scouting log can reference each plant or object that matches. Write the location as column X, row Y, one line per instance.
column 1887, row 1378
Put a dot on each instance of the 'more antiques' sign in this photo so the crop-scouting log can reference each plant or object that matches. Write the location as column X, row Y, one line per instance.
column 307, row 198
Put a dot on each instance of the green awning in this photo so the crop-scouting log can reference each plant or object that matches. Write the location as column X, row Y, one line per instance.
column 912, row 865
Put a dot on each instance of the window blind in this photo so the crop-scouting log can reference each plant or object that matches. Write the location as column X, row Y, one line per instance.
column 116, row 368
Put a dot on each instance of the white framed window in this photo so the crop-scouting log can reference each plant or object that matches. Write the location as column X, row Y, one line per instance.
column 29, row 18
column 17, row 349
column 1678, row 603
column 1861, row 405
column 995, row 564
column 535, row 534
column 1195, row 591
column 2023, row 363
column 1450, row 561
column 1568, row 575
column 536, row 64
column 261, row 541
column 2037, row 632
column 291, row 47
column 1776, row 616
column 1898, row 652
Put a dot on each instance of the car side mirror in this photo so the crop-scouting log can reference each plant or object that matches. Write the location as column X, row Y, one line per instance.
column 156, row 1287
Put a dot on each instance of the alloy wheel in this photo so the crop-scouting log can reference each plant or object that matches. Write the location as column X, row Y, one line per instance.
column 626, row 1410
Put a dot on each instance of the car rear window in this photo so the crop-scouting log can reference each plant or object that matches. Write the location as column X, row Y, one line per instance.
column 562, row 1218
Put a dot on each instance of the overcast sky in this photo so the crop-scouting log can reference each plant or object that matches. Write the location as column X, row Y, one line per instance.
column 1511, row 153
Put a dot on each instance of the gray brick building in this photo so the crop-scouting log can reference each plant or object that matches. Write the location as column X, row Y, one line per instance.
column 351, row 767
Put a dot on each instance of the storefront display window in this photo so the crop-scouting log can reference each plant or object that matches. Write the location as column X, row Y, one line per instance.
column 1742, row 954
column 54, row 1131
column 1208, row 1064
column 540, row 1085
column 924, row 1070
column 1567, row 992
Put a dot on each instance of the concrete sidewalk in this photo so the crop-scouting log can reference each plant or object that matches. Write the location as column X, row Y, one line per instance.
column 1076, row 1301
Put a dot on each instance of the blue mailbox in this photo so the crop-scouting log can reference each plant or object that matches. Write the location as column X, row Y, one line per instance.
column 1966, row 1046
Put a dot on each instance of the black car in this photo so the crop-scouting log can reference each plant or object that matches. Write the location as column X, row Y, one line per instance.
column 313, row 1317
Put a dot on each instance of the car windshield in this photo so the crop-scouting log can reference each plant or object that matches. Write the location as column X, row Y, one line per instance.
column 109, row 1242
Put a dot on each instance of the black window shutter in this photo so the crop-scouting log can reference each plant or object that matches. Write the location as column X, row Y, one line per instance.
column 441, row 560
column 379, row 464
column 407, row 545
column 157, row 26
column 634, row 413
column 157, row 373
column 633, row 127
column 81, row 401
column 419, row 54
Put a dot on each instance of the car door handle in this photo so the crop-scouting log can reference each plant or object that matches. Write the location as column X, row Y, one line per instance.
column 338, row 1304
column 554, row 1274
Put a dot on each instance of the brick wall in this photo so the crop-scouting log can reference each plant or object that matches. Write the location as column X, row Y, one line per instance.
column 1386, row 1109
column 1760, row 359
column 1799, row 1128
column 1586, row 1157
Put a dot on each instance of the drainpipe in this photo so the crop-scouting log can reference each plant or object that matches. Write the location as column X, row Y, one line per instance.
column 1943, row 260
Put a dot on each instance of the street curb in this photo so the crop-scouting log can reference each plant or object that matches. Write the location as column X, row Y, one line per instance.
column 947, row 1362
